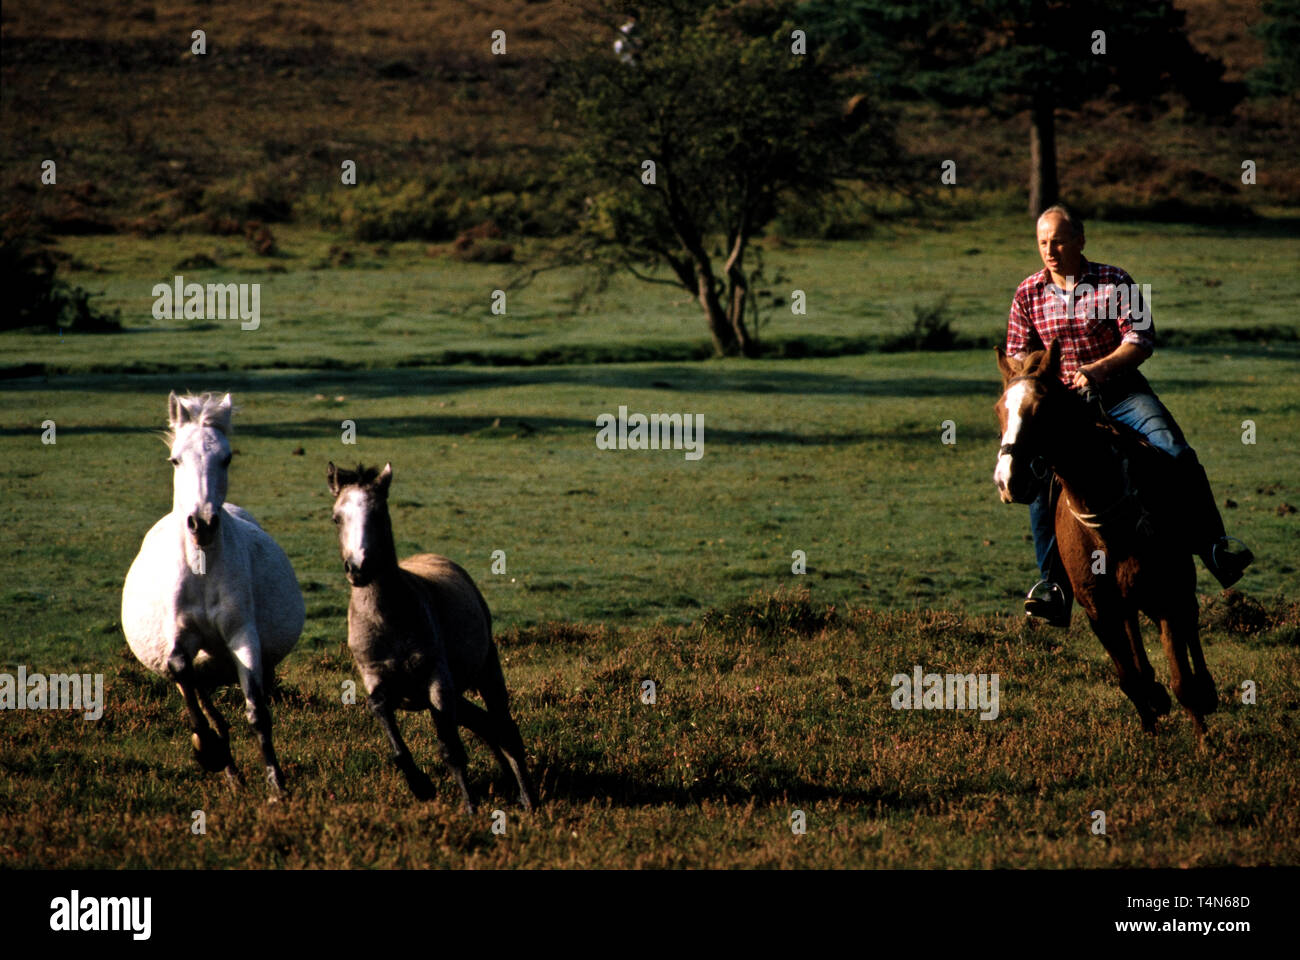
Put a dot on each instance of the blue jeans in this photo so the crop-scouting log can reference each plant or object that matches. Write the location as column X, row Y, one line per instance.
column 1142, row 412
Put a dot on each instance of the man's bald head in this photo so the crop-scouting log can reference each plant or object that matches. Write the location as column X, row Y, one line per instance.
column 1059, row 212
column 1060, row 242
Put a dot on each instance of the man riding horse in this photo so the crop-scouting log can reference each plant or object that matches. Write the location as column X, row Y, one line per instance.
column 1104, row 338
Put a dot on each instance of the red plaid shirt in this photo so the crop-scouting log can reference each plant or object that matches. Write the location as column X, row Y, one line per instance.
column 1103, row 316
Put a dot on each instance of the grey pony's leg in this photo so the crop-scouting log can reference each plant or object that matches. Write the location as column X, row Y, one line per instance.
column 211, row 749
column 493, row 688
column 474, row 718
column 442, row 704
column 416, row 778
column 486, row 726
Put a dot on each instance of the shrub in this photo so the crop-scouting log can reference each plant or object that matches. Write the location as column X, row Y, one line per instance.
column 931, row 327
column 266, row 195
column 1235, row 612
column 769, row 615
column 34, row 295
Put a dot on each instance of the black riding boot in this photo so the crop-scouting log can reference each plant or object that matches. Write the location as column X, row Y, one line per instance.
column 1204, row 524
column 1051, row 598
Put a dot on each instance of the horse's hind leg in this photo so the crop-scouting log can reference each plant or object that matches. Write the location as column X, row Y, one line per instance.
column 1113, row 634
column 1157, row 695
column 492, row 686
column 473, row 717
column 442, row 704
column 247, row 653
column 486, row 726
column 416, row 778
column 211, row 749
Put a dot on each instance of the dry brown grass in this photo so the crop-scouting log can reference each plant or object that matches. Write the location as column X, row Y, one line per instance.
column 746, row 728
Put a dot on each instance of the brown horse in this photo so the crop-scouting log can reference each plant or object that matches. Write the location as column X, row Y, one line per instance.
column 1121, row 555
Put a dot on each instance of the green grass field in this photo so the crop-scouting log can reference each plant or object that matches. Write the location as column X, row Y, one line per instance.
column 402, row 307
column 614, row 560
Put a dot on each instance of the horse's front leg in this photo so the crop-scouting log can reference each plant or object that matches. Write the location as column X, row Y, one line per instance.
column 1194, row 689
column 246, row 649
column 416, row 778
column 211, row 749
column 1113, row 634
column 1158, row 696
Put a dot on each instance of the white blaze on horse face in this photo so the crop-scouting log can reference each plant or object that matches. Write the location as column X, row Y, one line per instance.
column 1014, row 399
column 202, row 456
column 352, row 509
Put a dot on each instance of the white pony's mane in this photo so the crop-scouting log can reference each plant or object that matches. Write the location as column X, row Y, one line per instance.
column 205, row 410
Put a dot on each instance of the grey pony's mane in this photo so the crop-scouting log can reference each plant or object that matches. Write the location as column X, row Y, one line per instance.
column 208, row 415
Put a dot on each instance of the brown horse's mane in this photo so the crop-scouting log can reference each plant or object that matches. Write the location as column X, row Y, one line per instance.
column 1127, row 442
column 1147, row 468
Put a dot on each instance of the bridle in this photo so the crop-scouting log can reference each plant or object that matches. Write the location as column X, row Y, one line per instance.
column 1013, row 448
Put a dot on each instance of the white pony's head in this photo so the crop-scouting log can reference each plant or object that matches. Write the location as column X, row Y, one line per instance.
column 200, row 452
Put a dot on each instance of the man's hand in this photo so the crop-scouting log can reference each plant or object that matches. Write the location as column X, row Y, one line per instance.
column 1089, row 377
column 1127, row 356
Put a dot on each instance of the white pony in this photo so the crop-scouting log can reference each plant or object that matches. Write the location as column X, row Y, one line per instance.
column 211, row 598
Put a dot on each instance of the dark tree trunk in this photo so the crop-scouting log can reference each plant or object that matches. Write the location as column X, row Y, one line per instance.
column 737, row 295
column 695, row 270
column 720, row 329
column 1043, row 188
column 736, row 310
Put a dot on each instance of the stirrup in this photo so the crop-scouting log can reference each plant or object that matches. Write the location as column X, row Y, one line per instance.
column 1239, row 561
column 1058, row 592
column 1056, row 597
column 1244, row 553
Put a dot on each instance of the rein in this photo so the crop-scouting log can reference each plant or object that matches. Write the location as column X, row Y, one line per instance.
column 1095, row 521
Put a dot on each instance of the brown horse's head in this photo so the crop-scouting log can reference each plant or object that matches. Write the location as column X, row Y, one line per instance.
column 361, row 513
column 1026, row 386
